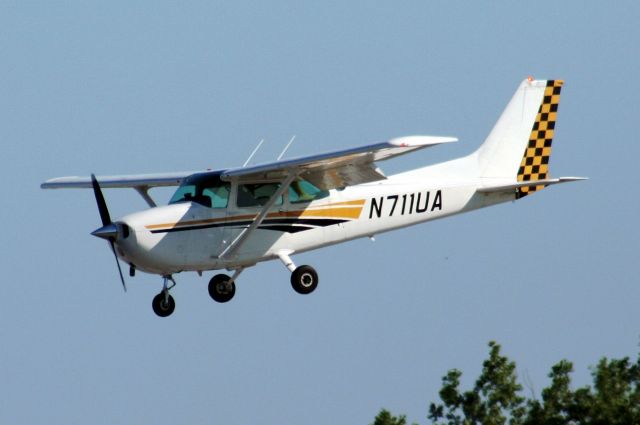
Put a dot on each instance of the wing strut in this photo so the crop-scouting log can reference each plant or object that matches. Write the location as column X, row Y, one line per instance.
column 144, row 192
column 242, row 237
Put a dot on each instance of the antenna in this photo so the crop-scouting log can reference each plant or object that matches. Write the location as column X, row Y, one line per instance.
column 253, row 153
column 286, row 148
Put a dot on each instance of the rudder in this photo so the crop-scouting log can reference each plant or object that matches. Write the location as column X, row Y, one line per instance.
column 535, row 161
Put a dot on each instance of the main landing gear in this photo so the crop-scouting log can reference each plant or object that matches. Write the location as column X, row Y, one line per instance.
column 222, row 287
column 304, row 279
column 163, row 304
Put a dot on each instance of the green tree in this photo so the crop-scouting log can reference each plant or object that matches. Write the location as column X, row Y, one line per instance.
column 556, row 406
column 496, row 398
column 614, row 398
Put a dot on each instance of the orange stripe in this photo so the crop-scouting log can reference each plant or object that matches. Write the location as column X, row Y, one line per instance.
column 329, row 212
column 357, row 202
column 332, row 212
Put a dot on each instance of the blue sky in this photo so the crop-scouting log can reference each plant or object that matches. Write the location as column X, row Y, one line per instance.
column 163, row 86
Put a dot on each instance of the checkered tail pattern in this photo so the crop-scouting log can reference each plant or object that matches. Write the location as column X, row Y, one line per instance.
column 535, row 162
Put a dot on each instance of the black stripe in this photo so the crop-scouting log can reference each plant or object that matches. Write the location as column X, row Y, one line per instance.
column 201, row 226
column 323, row 222
column 287, row 229
column 280, row 223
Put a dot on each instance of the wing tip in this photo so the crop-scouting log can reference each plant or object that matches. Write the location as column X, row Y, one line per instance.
column 58, row 182
column 572, row 179
column 417, row 141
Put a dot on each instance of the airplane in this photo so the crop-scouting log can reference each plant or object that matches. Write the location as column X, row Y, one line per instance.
column 235, row 218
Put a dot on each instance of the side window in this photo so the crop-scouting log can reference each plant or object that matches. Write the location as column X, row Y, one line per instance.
column 303, row 191
column 257, row 194
column 219, row 195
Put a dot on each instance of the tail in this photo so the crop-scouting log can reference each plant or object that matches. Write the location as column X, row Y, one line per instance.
column 518, row 149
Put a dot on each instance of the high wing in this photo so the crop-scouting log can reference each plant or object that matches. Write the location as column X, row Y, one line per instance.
column 327, row 171
column 121, row 181
column 337, row 169
column 330, row 170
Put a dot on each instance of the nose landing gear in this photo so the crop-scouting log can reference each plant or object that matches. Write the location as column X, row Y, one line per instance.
column 163, row 304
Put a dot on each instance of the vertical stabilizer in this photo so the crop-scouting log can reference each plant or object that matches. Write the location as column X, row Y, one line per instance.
column 519, row 145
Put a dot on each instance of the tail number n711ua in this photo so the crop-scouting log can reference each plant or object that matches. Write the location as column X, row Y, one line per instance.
column 413, row 203
column 234, row 218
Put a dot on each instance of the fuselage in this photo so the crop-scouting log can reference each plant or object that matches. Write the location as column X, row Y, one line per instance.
column 189, row 236
column 234, row 218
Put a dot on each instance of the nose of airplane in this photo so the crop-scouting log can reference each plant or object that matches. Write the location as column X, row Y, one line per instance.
column 115, row 232
column 108, row 232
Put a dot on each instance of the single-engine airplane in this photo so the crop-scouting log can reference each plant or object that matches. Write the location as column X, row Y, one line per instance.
column 235, row 218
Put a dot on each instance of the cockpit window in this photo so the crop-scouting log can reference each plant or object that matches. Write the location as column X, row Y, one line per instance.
column 303, row 191
column 205, row 189
column 257, row 194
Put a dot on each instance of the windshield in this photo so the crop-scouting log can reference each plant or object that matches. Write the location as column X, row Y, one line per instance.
column 205, row 189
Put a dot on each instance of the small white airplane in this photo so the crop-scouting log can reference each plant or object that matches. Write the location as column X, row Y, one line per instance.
column 235, row 218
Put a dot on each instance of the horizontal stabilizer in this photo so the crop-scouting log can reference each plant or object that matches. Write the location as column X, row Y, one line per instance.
column 512, row 187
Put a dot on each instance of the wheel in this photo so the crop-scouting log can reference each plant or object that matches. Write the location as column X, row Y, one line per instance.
column 304, row 279
column 221, row 289
column 163, row 307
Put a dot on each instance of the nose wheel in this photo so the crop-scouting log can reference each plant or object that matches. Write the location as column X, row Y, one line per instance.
column 163, row 304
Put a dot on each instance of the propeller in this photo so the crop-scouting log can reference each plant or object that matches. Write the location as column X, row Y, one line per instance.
column 108, row 231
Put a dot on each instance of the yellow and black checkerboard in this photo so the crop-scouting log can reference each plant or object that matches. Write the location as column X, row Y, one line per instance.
column 535, row 162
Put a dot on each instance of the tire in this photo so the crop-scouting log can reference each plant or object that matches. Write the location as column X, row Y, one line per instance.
column 304, row 280
column 161, row 307
column 220, row 289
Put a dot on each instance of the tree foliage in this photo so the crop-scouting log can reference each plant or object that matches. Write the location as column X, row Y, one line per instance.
column 386, row 418
column 497, row 399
